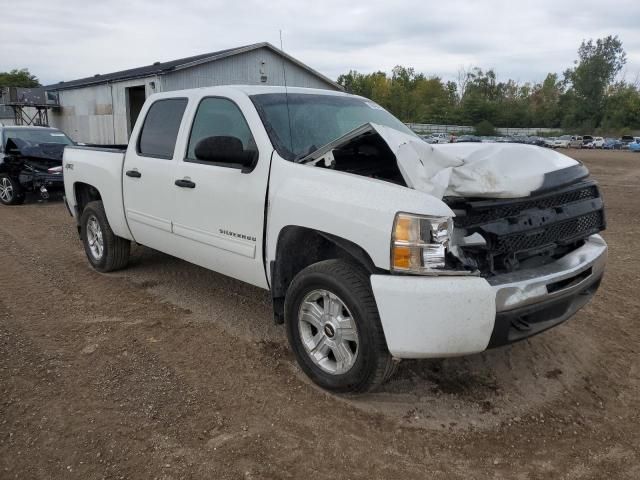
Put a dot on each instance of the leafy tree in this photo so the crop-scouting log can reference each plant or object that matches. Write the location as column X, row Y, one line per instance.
column 621, row 108
column 485, row 128
column 597, row 66
column 18, row 78
column 585, row 97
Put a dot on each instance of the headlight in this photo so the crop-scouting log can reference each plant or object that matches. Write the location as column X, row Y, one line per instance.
column 419, row 243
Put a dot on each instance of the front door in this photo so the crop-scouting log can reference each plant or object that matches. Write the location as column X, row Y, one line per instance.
column 149, row 172
column 219, row 210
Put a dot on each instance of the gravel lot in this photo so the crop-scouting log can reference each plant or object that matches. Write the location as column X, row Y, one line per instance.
column 166, row 370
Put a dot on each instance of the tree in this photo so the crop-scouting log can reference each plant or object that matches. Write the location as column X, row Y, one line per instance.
column 596, row 68
column 18, row 78
column 587, row 96
column 485, row 129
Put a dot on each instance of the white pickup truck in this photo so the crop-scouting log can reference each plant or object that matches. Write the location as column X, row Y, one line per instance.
column 375, row 245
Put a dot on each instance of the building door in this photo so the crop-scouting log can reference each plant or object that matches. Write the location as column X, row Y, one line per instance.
column 135, row 99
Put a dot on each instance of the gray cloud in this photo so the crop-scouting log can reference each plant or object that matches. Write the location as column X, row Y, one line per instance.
column 74, row 39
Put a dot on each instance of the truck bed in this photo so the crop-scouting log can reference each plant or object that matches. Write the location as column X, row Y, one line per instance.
column 100, row 167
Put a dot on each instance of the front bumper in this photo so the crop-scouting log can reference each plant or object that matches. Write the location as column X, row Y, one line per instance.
column 532, row 301
column 41, row 179
column 428, row 317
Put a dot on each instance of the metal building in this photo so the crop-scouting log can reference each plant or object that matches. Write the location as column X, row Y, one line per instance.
column 103, row 109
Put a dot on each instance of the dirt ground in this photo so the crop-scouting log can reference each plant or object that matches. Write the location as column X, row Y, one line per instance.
column 166, row 370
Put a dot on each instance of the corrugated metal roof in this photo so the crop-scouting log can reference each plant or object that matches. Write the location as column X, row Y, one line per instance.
column 159, row 68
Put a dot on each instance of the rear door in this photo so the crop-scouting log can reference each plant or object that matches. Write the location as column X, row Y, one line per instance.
column 219, row 210
column 149, row 169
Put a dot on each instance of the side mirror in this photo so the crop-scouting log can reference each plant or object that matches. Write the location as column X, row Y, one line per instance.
column 226, row 150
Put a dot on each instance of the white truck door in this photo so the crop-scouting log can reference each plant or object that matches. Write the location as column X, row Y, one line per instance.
column 219, row 207
column 149, row 171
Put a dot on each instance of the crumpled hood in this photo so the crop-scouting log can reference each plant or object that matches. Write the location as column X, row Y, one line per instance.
column 490, row 170
column 43, row 151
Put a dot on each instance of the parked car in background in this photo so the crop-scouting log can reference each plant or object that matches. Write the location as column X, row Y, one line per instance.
column 538, row 141
column 587, row 139
column 441, row 137
column 575, row 142
column 562, row 142
column 550, row 142
column 626, row 140
column 468, row 138
column 30, row 161
column 596, row 142
column 635, row 146
column 612, row 144
column 429, row 139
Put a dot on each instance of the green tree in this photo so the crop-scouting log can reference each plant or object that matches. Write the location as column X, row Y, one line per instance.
column 18, row 78
column 596, row 68
column 485, row 128
column 545, row 101
column 621, row 108
column 585, row 97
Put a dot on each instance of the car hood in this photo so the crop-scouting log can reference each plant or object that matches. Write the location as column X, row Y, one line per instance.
column 489, row 170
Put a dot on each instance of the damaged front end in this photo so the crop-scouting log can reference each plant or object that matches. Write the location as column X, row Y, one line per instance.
column 499, row 236
column 515, row 206
column 38, row 169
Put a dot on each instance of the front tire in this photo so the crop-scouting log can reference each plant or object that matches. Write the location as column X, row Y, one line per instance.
column 11, row 192
column 105, row 251
column 334, row 329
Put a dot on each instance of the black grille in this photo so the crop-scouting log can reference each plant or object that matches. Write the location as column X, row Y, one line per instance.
column 545, row 227
column 510, row 209
column 557, row 233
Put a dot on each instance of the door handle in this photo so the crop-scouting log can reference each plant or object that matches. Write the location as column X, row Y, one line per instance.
column 185, row 183
column 133, row 174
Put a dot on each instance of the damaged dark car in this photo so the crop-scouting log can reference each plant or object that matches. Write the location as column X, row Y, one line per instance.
column 30, row 162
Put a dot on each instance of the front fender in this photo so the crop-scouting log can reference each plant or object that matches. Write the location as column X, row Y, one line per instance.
column 356, row 208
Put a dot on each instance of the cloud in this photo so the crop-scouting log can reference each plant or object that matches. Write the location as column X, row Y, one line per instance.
column 74, row 39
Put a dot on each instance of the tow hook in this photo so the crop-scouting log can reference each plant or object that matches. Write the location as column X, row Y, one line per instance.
column 44, row 193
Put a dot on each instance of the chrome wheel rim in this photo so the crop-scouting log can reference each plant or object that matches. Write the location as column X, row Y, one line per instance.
column 6, row 189
column 95, row 238
column 328, row 332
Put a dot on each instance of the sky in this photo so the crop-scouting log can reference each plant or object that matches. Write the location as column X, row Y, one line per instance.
column 69, row 39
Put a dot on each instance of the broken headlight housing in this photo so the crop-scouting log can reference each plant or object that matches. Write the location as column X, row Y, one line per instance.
column 419, row 244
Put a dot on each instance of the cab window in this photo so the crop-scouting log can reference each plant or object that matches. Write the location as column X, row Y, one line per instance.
column 219, row 117
column 160, row 129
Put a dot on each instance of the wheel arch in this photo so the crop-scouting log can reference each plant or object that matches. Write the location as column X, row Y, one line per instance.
column 297, row 248
column 84, row 193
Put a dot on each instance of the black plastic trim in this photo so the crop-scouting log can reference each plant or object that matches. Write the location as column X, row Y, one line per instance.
column 561, row 178
column 522, row 323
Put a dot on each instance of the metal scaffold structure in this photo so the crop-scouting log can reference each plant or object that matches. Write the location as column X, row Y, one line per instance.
column 30, row 106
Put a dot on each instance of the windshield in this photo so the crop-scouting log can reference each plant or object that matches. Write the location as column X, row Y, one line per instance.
column 316, row 119
column 36, row 136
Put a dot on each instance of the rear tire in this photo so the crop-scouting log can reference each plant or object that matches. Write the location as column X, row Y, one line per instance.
column 334, row 329
column 11, row 192
column 105, row 251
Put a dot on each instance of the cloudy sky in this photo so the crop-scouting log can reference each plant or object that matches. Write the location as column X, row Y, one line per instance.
column 70, row 39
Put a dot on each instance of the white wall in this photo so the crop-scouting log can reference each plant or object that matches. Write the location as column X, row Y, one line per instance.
column 244, row 69
column 96, row 114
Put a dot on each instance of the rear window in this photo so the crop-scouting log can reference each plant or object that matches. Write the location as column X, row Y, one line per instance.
column 160, row 129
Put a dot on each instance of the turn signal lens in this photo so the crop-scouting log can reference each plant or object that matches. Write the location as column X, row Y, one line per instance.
column 402, row 257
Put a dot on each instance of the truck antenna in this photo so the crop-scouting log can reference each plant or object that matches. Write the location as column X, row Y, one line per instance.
column 286, row 95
